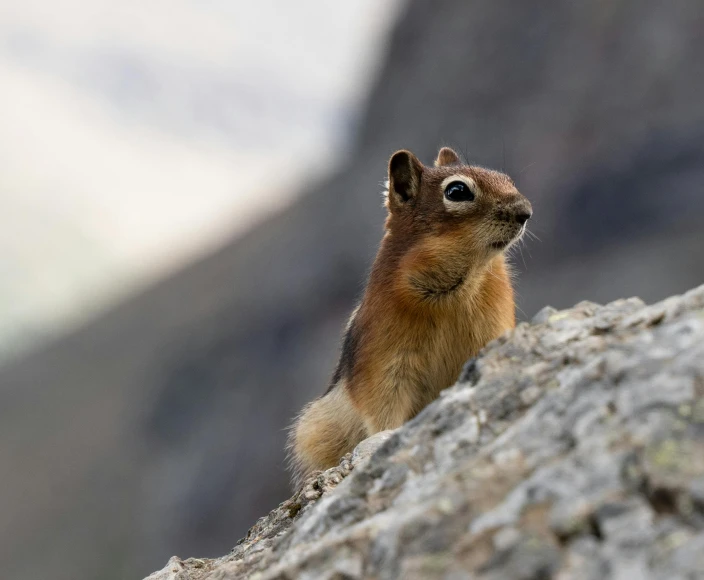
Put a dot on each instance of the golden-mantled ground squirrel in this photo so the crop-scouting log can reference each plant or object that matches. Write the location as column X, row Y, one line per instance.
column 439, row 290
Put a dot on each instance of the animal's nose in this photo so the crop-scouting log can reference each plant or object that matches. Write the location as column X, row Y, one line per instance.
column 522, row 211
column 523, row 216
column 518, row 212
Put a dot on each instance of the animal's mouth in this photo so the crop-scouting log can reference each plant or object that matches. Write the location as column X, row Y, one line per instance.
column 503, row 244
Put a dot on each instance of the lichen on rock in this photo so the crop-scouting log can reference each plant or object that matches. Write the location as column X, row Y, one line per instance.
column 571, row 447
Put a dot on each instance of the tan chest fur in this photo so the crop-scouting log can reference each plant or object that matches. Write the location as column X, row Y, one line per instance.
column 410, row 354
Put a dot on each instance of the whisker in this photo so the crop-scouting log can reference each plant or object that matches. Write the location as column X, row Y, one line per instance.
column 520, row 251
column 532, row 235
column 491, row 273
column 527, row 167
column 525, row 245
column 537, row 229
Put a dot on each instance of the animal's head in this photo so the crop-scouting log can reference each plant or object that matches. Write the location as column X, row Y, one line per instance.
column 479, row 209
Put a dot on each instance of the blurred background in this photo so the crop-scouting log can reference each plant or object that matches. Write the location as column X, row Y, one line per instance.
column 189, row 202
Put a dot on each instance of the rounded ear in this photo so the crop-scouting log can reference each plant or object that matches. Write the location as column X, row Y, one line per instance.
column 404, row 178
column 447, row 156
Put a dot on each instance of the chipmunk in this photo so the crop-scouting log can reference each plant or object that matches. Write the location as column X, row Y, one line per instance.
column 439, row 290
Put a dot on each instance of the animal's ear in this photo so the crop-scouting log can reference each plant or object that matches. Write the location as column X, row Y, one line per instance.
column 404, row 178
column 447, row 156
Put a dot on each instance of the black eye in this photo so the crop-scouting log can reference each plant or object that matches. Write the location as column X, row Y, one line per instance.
column 459, row 191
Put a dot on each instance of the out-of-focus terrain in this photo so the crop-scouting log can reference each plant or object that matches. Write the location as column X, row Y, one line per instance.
column 159, row 427
column 138, row 136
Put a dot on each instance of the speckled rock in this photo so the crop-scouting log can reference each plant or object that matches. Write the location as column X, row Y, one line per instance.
column 572, row 447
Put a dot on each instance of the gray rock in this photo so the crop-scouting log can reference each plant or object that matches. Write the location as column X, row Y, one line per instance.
column 367, row 447
column 543, row 315
column 583, row 460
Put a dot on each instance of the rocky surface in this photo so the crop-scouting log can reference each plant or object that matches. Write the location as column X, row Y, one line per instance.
column 572, row 447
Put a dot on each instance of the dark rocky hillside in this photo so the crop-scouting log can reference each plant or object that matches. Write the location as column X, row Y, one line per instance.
column 158, row 428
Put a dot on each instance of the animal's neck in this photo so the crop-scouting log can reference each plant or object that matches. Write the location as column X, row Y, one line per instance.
column 425, row 277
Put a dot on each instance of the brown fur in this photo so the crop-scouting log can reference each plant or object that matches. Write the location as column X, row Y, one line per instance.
column 438, row 292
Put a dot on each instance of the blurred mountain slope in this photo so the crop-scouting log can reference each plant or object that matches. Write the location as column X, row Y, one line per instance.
column 136, row 136
column 595, row 108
